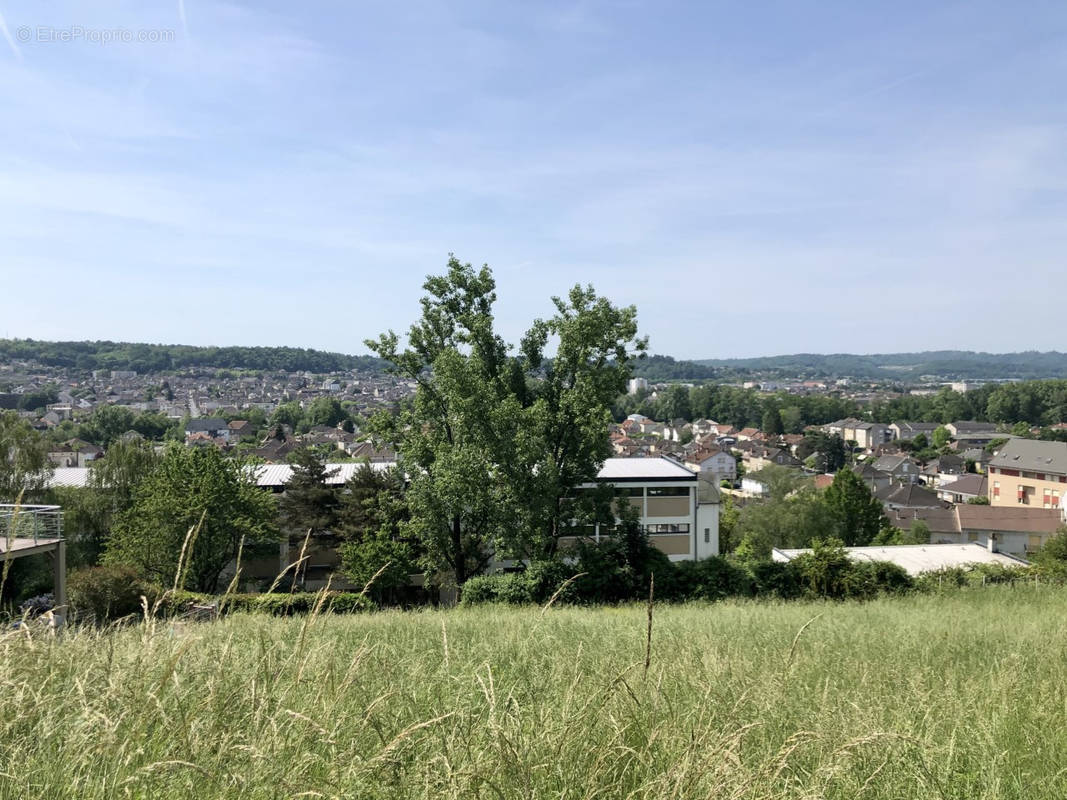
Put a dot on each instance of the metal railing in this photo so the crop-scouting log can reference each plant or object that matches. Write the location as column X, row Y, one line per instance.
column 30, row 522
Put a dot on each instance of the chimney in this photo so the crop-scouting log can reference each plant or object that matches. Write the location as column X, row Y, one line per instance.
column 991, row 543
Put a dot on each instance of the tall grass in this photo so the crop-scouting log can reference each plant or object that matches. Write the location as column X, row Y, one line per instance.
column 958, row 696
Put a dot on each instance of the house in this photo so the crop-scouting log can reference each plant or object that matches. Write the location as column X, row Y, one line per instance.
column 908, row 495
column 898, row 468
column 874, row 478
column 74, row 453
column 916, row 559
column 971, row 427
column 866, row 435
column 755, row 456
column 1016, row 531
column 964, row 489
column 1028, row 472
column 214, row 427
column 907, row 431
column 713, row 464
column 942, row 469
column 239, row 428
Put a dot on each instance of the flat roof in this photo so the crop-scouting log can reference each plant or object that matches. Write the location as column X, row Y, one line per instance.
column 918, row 558
column 644, row 469
column 337, row 474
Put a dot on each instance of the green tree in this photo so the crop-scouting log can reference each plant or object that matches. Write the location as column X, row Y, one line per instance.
column 90, row 512
column 940, row 437
column 772, row 421
column 373, row 512
column 107, row 424
column 1051, row 559
column 561, row 440
column 192, row 488
column 920, row 442
column 856, row 516
column 325, row 411
column 450, row 436
column 309, row 503
column 24, row 465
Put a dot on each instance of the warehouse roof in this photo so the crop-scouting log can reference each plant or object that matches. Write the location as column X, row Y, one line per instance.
column 918, row 558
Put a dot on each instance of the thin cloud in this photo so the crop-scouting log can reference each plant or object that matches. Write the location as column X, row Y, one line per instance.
column 10, row 40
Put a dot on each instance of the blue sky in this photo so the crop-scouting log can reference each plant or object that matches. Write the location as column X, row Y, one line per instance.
column 757, row 178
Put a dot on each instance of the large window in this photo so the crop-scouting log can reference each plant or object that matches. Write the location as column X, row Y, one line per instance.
column 668, row 527
column 668, row 491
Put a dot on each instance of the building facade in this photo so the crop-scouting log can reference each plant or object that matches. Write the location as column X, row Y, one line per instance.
column 1028, row 472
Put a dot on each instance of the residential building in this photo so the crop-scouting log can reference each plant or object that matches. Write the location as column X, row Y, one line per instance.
column 713, row 464
column 970, row 427
column 214, row 427
column 899, row 468
column 908, row 496
column 907, row 431
column 964, row 489
column 74, row 453
column 1028, row 472
column 1017, row 530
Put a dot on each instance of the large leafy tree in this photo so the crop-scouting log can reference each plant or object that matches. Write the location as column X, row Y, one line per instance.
column 494, row 444
column 856, row 515
column 24, row 465
column 192, row 487
column 90, row 512
column 562, row 441
column 450, row 437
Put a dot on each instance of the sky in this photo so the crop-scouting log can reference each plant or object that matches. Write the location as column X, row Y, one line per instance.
column 757, row 178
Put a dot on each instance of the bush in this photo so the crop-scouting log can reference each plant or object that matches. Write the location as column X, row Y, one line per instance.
column 546, row 577
column 481, row 589
column 774, row 579
column 710, row 579
column 107, row 592
column 868, row 579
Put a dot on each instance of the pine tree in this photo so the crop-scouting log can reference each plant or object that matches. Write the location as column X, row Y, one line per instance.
column 309, row 503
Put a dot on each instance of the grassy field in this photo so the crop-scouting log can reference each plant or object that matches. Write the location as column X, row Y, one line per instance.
column 960, row 696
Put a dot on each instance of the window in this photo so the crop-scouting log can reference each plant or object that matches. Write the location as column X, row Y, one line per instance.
column 668, row 491
column 630, row 492
column 668, row 527
column 707, row 536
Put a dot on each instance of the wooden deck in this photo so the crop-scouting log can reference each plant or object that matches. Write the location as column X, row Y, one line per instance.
column 27, row 547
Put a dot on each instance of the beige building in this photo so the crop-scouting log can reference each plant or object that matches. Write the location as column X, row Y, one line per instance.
column 1028, row 472
column 679, row 512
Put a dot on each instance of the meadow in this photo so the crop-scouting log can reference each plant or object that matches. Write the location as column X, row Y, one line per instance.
column 961, row 695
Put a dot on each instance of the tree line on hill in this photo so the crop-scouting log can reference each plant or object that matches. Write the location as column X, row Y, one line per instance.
column 957, row 364
column 1033, row 403
column 148, row 358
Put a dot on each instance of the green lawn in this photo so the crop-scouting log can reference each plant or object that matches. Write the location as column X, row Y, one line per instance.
column 957, row 696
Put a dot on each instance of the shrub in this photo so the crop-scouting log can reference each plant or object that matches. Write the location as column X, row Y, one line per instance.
column 866, row 579
column 546, row 577
column 107, row 592
column 710, row 579
column 774, row 579
column 481, row 589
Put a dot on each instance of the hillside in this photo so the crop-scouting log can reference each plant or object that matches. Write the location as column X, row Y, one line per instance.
column 942, row 696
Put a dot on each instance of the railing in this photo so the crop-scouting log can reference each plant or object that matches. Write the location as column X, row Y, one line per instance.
column 30, row 522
